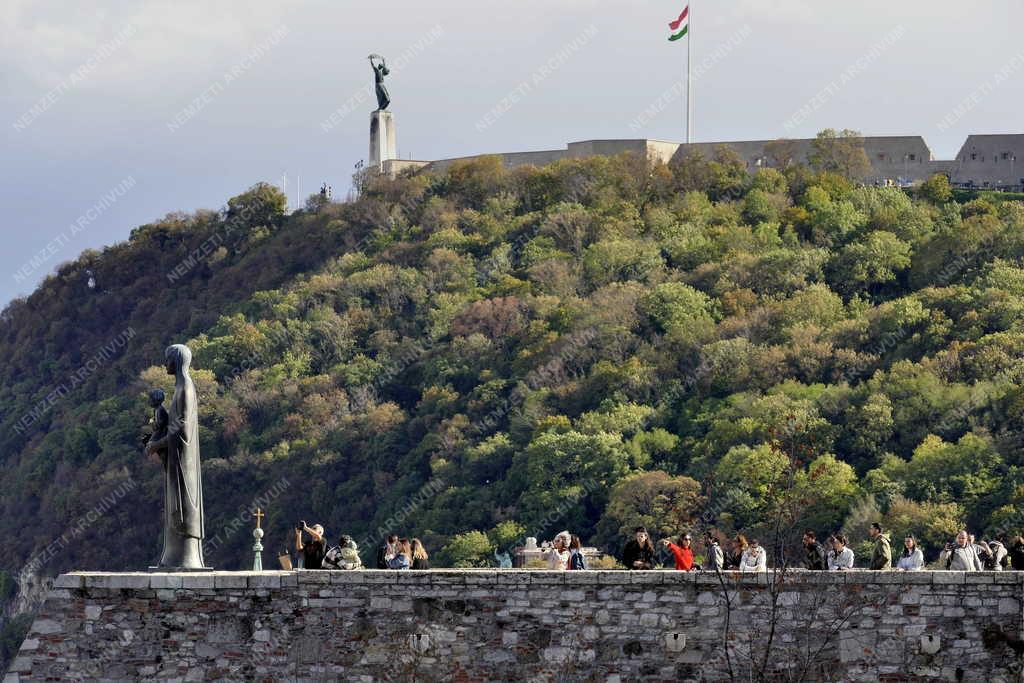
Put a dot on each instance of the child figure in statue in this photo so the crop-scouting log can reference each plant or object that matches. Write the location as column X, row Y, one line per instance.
column 158, row 423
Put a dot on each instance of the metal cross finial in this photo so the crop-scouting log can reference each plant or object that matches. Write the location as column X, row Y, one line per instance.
column 259, row 515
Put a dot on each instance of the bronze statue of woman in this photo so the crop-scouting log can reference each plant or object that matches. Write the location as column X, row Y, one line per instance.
column 183, row 485
column 379, row 72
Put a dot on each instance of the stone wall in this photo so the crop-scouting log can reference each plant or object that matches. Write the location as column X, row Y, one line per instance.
column 509, row 625
column 984, row 160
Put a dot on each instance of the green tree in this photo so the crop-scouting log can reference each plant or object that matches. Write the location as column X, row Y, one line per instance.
column 506, row 534
column 568, row 473
column 876, row 259
column 936, row 189
column 468, row 550
column 666, row 505
column 840, row 152
column 261, row 204
column 675, row 306
column 931, row 523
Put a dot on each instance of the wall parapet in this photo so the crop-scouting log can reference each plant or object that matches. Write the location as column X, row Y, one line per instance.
column 524, row 625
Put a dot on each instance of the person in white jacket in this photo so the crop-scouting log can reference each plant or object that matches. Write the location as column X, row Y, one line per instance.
column 912, row 559
column 960, row 556
column 754, row 559
column 558, row 553
column 840, row 557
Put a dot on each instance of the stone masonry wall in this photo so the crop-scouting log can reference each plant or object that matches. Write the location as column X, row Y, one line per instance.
column 518, row 625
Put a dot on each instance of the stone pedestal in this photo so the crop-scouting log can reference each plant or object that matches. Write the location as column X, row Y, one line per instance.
column 382, row 139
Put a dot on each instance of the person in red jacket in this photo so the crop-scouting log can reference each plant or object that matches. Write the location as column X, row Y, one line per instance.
column 682, row 552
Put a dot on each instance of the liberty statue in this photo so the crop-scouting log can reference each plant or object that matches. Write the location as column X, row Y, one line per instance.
column 379, row 72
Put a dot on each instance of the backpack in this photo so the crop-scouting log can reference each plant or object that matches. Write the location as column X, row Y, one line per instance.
column 332, row 559
column 987, row 557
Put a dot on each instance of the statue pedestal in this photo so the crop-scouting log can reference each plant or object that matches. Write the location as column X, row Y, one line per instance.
column 382, row 139
column 178, row 570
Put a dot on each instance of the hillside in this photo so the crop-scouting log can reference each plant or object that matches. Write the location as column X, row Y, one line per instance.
column 585, row 346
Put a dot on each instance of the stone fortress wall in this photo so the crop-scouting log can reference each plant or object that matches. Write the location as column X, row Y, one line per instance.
column 513, row 625
column 984, row 161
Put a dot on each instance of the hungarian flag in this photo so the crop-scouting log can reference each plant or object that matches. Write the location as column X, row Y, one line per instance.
column 680, row 26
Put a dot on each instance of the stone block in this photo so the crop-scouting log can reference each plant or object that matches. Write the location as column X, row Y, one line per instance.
column 540, row 579
column 197, row 581
column 21, row 665
column 1009, row 606
column 955, row 578
column 979, row 577
column 1012, row 578
column 229, row 581
column 583, row 578
column 132, row 581
column 72, row 581
column 263, row 580
column 613, row 578
column 165, row 581
column 517, row 577
column 47, row 626
column 380, row 576
column 344, row 578
column 711, row 580
column 311, row 577
column 676, row 578
column 646, row 578
column 886, row 577
column 922, row 578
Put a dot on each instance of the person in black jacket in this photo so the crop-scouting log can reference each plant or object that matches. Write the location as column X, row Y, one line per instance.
column 639, row 552
column 386, row 552
column 814, row 552
column 313, row 550
column 420, row 559
column 1016, row 552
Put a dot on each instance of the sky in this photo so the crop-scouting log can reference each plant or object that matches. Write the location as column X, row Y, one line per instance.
column 114, row 114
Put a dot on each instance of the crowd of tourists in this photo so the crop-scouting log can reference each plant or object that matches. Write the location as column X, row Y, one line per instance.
column 964, row 553
column 394, row 553
column 740, row 553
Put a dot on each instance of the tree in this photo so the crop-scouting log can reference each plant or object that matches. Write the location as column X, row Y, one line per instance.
column 506, row 534
column 936, row 189
column 261, row 204
column 931, row 523
column 468, row 550
column 692, row 172
column 675, row 306
column 782, row 152
column 666, row 505
column 728, row 174
column 769, row 180
column 761, row 207
column 614, row 260
column 876, row 259
column 568, row 472
column 840, row 152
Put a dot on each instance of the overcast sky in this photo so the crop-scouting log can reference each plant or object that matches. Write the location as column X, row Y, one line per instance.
column 116, row 113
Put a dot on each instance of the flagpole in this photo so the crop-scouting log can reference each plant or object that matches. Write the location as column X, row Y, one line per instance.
column 689, row 77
